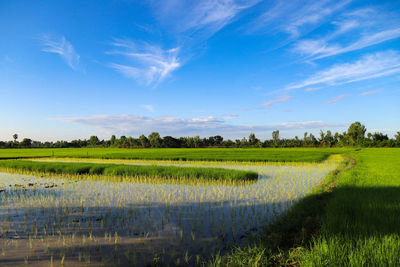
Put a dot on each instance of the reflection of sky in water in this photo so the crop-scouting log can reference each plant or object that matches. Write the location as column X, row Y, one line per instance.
column 201, row 218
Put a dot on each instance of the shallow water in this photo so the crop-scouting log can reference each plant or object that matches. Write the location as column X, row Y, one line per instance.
column 143, row 222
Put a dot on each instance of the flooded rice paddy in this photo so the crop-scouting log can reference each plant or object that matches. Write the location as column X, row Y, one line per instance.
column 59, row 220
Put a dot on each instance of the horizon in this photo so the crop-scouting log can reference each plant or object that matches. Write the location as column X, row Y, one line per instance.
column 70, row 70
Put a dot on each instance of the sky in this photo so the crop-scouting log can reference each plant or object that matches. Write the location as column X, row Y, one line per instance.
column 72, row 69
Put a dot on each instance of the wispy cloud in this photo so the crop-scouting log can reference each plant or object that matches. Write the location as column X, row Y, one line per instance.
column 169, row 125
column 148, row 107
column 297, row 17
column 369, row 66
column 318, row 49
column 311, row 89
column 337, row 99
column 61, row 47
column 353, row 31
column 188, row 23
column 370, row 92
column 145, row 63
column 199, row 20
column 284, row 98
column 231, row 116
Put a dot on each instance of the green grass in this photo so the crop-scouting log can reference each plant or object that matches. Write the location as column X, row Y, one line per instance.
column 182, row 154
column 352, row 219
column 127, row 170
column 361, row 225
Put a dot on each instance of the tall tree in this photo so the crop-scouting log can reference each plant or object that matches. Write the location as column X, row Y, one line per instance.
column 275, row 137
column 94, row 140
column 155, row 139
column 15, row 136
column 356, row 132
column 144, row 142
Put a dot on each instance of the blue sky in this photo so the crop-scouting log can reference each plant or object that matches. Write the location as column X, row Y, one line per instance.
column 71, row 69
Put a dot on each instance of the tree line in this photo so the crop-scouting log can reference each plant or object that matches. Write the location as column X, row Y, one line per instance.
column 354, row 136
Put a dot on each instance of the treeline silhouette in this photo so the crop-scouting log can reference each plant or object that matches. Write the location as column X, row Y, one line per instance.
column 354, row 136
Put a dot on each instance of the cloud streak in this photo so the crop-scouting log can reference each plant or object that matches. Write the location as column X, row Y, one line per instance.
column 63, row 48
column 368, row 67
column 268, row 103
column 360, row 28
column 337, row 99
column 295, row 18
column 127, row 124
column 146, row 63
column 370, row 92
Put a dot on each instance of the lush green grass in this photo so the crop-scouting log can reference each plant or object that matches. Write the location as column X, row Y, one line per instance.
column 361, row 226
column 127, row 170
column 351, row 220
column 201, row 154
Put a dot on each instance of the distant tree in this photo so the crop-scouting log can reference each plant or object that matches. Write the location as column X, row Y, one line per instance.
column 243, row 142
column 94, row 140
column 356, row 133
column 144, row 142
column 196, row 141
column 397, row 136
column 228, row 143
column 155, row 140
column 275, row 137
column 169, row 141
column 123, row 141
column 15, row 137
column 253, row 139
column 26, row 142
column 112, row 140
column 218, row 140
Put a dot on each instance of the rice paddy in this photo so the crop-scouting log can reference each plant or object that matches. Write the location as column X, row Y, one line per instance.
column 62, row 219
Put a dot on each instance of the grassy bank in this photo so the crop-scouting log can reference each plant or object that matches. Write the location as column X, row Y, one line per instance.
column 351, row 220
column 182, row 154
column 127, row 170
column 361, row 224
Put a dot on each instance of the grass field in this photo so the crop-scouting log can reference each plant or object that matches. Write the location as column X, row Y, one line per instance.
column 182, row 154
column 352, row 219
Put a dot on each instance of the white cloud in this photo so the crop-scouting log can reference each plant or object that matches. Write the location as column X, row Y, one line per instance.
column 337, row 99
column 63, row 48
column 268, row 103
column 296, row 17
column 318, row 49
column 370, row 92
column 199, row 19
column 353, row 31
column 148, row 107
column 126, row 124
column 146, row 63
column 369, row 66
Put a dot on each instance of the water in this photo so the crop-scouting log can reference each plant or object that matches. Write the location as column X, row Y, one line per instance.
column 145, row 221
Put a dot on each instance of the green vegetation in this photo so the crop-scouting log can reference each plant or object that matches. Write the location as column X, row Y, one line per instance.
column 182, row 154
column 361, row 225
column 352, row 219
column 355, row 136
column 127, row 170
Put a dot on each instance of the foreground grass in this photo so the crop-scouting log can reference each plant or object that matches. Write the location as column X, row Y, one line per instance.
column 361, row 225
column 126, row 170
column 181, row 154
column 350, row 220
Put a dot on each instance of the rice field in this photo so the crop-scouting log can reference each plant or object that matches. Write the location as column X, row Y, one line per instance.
column 181, row 154
column 54, row 219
